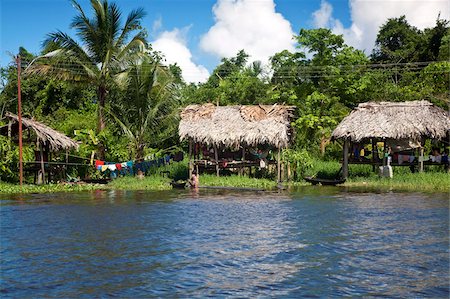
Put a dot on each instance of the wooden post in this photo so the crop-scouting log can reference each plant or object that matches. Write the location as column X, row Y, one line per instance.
column 421, row 159
column 216, row 156
column 241, row 170
column 345, row 160
column 42, row 163
column 373, row 153
column 279, row 167
column 190, row 158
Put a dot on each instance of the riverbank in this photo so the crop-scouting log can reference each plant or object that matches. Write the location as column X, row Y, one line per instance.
column 421, row 182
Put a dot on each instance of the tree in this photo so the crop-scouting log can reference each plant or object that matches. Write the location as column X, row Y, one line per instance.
column 148, row 114
column 397, row 41
column 102, row 57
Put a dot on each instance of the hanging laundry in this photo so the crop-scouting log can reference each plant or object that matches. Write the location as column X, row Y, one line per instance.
column 99, row 163
column 112, row 167
column 119, row 166
column 104, row 168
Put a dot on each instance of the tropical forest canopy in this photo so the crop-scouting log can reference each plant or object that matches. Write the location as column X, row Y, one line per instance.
column 106, row 87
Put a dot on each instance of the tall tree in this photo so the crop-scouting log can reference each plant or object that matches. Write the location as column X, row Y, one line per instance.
column 397, row 41
column 102, row 56
column 148, row 115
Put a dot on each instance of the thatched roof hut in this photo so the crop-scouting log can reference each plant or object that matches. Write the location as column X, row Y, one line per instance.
column 47, row 136
column 389, row 120
column 232, row 126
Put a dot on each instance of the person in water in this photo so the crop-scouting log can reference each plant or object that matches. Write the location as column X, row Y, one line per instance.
column 194, row 182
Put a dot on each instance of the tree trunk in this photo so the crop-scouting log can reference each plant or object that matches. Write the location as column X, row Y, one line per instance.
column 101, row 120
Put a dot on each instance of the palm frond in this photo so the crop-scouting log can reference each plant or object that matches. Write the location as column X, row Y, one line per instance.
column 132, row 23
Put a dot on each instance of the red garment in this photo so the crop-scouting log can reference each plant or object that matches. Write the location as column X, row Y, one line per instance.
column 98, row 163
column 119, row 166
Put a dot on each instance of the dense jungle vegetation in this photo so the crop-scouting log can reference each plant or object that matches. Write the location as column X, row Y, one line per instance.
column 108, row 88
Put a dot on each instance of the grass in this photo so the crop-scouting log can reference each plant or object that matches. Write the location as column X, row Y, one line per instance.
column 9, row 188
column 153, row 182
column 360, row 177
column 435, row 179
column 236, row 181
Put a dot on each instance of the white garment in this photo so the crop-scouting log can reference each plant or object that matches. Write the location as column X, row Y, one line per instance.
column 262, row 164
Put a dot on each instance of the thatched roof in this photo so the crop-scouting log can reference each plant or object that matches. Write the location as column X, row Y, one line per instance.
column 232, row 126
column 405, row 120
column 56, row 140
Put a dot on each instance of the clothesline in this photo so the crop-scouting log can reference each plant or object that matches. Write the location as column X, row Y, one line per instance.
column 130, row 167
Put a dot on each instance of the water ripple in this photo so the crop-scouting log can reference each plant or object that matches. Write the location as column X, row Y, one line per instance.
column 225, row 244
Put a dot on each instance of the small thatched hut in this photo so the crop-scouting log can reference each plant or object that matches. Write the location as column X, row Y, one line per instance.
column 402, row 122
column 237, row 126
column 55, row 140
column 47, row 139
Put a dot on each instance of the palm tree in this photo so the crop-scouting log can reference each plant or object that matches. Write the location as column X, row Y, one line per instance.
column 148, row 115
column 102, row 56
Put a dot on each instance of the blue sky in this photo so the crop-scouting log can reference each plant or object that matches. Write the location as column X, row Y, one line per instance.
column 197, row 33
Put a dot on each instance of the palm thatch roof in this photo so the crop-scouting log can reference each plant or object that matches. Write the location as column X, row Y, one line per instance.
column 56, row 140
column 404, row 120
column 232, row 126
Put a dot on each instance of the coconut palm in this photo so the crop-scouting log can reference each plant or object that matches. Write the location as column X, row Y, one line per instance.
column 101, row 57
column 148, row 115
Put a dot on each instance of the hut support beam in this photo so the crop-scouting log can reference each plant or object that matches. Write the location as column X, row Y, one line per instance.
column 190, row 158
column 345, row 160
column 279, row 166
column 421, row 160
column 42, row 163
column 216, row 156
column 374, row 152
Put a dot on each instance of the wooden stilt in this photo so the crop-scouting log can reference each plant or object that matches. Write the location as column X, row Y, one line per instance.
column 374, row 152
column 216, row 156
column 384, row 153
column 279, row 167
column 421, row 160
column 345, row 160
column 42, row 163
column 190, row 158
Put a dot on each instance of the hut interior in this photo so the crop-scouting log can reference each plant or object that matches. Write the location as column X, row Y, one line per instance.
column 235, row 138
column 47, row 140
column 394, row 133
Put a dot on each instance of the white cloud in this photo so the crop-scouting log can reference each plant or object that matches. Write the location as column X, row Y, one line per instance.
column 174, row 47
column 367, row 17
column 251, row 25
column 322, row 17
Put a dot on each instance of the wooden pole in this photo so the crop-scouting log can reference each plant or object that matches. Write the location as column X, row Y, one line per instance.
column 19, row 114
column 373, row 153
column 345, row 160
column 216, row 156
column 384, row 152
column 42, row 163
column 421, row 160
column 190, row 158
column 279, row 167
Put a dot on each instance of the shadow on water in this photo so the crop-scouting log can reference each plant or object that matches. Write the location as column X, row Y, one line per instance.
column 306, row 242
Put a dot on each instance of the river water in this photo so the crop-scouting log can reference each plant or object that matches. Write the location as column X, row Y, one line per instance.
column 313, row 242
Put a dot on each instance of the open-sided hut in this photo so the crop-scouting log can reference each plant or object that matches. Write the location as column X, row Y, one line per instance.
column 47, row 139
column 236, row 126
column 407, row 123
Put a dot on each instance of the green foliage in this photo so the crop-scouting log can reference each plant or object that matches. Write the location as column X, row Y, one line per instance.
column 236, row 181
column 7, row 188
column 300, row 161
column 147, row 183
